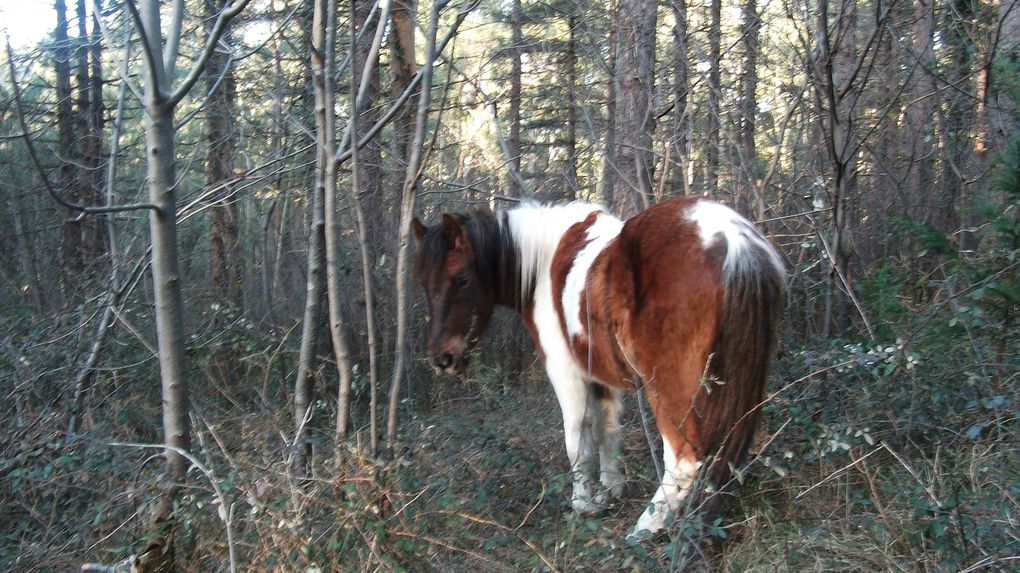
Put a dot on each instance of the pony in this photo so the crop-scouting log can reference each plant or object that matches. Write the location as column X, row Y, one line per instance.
column 680, row 302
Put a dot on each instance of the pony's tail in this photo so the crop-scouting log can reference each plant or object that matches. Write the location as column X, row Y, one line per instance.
column 730, row 406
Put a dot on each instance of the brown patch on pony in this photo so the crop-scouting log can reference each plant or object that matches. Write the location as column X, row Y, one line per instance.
column 673, row 291
column 571, row 245
column 686, row 323
column 596, row 347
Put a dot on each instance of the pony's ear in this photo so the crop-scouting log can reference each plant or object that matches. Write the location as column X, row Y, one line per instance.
column 454, row 232
column 419, row 229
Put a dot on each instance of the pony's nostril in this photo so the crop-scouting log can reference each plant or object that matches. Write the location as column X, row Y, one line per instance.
column 444, row 360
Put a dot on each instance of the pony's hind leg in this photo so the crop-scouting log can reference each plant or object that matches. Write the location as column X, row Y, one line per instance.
column 608, row 405
column 680, row 469
column 676, row 419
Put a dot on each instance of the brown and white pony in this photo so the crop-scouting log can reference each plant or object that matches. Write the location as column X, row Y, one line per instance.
column 680, row 301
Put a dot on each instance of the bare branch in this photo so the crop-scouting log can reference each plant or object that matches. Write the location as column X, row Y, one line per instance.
column 38, row 164
column 210, row 44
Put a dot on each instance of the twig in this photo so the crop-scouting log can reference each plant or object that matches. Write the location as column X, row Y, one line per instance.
column 846, row 285
column 906, row 465
column 527, row 516
column 836, row 473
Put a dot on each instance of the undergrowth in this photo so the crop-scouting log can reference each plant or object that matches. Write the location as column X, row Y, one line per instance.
column 871, row 457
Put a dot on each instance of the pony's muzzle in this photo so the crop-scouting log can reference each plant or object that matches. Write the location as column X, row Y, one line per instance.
column 448, row 363
column 443, row 361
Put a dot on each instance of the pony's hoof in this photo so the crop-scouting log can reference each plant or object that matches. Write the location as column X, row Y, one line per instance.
column 585, row 507
column 607, row 496
column 638, row 535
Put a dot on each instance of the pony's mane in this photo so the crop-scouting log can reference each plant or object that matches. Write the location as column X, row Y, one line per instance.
column 536, row 230
column 512, row 249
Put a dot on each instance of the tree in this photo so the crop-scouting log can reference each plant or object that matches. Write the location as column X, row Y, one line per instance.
column 221, row 144
column 402, row 70
column 160, row 99
column 634, row 114
column 320, row 238
column 713, row 142
column 514, row 140
column 750, row 199
column 678, row 158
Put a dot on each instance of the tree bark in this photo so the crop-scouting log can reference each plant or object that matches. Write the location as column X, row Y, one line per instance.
column 572, row 110
column 959, row 34
column 409, row 193
column 166, row 276
column 89, row 129
column 713, row 142
column 26, row 252
column 834, row 74
column 320, row 52
column 221, row 142
column 750, row 198
column 919, row 138
column 514, row 139
column 70, row 246
column 635, row 120
column 160, row 100
column 609, row 174
column 402, row 71
column 682, row 120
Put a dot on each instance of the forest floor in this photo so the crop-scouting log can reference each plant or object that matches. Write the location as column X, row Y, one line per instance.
column 481, row 484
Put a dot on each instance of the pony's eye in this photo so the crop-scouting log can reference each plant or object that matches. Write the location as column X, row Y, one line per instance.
column 461, row 281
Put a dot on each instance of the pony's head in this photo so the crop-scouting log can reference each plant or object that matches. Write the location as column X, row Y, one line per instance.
column 452, row 265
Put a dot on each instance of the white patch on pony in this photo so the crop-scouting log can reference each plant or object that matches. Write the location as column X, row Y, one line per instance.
column 741, row 236
column 678, row 475
column 600, row 234
column 536, row 231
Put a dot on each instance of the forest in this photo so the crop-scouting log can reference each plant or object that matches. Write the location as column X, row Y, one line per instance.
column 212, row 348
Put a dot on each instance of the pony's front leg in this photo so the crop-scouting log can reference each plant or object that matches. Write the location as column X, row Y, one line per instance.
column 572, row 394
column 607, row 403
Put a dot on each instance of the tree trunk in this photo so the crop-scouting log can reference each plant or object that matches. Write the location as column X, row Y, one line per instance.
column 26, row 252
column 635, row 120
column 834, row 74
column 70, row 246
column 571, row 64
column 166, row 279
column 409, row 193
column 514, row 140
column 682, row 124
column 276, row 214
column 926, row 207
column 366, row 179
column 221, row 141
column 958, row 31
column 609, row 174
column 714, row 139
column 371, row 161
column 89, row 128
column 750, row 199
column 325, row 180
column 160, row 100
column 402, row 70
